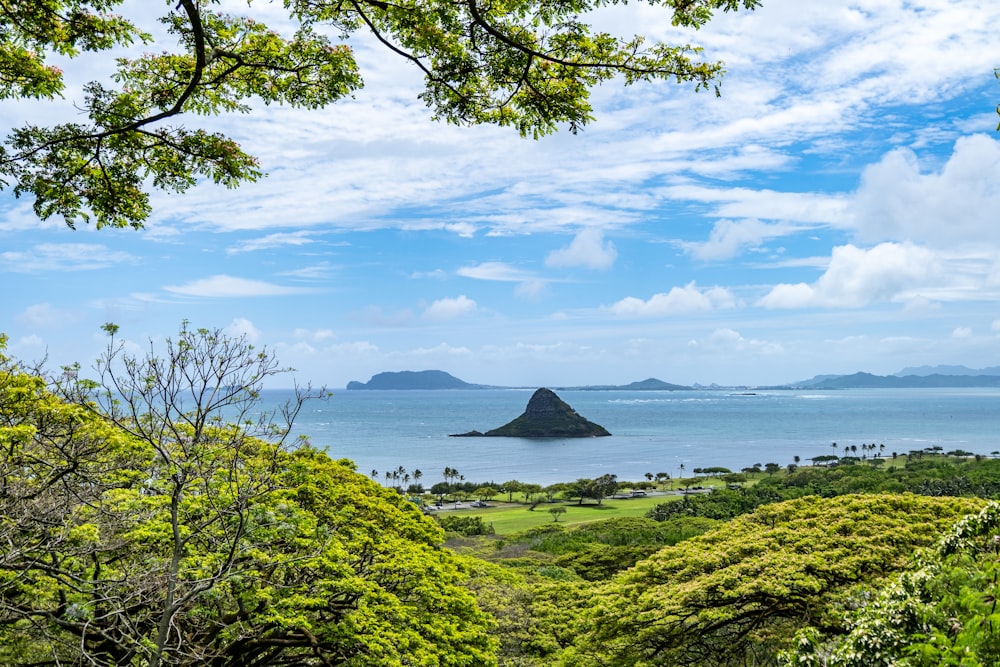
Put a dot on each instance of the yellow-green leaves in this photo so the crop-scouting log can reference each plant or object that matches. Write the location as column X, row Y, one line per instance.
column 713, row 598
column 526, row 64
column 941, row 611
column 206, row 545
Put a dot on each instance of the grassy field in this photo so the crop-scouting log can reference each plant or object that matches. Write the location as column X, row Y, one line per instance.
column 514, row 518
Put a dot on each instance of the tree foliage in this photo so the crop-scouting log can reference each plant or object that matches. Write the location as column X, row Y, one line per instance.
column 521, row 63
column 941, row 611
column 139, row 526
column 736, row 594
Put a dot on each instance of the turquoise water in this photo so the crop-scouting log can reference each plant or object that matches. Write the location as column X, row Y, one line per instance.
column 651, row 431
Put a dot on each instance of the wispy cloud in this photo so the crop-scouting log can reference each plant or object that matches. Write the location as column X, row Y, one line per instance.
column 223, row 286
column 63, row 257
column 497, row 271
column 272, row 241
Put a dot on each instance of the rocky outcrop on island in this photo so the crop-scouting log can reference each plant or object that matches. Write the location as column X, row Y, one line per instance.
column 546, row 416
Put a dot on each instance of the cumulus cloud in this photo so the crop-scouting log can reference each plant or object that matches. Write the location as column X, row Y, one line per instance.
column 243, row 327
column 727, row 341
column 961, row 332
column 229, row 286
column 679, row 300
column 857, row 277
column 899, row 201
column 588, row 249
column 43, row 315
column 531, row 289
column 449, row 309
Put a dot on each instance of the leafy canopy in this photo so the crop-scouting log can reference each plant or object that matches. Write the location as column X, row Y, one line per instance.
column 731, row 595
column 526, row 64
column 940, row 611
column 150, row 530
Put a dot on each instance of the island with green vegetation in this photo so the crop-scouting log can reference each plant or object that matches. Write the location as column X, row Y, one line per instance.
column 413, row 380
column 545, row 416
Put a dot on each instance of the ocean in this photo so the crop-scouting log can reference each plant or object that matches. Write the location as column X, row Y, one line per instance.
column 652, row 431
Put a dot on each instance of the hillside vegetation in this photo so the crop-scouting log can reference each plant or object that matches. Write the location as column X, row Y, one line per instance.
column 140, row 527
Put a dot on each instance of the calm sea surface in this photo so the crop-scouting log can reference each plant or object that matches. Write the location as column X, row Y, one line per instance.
column 651, row 431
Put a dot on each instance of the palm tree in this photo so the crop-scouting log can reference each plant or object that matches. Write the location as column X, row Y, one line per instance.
column 417, row 475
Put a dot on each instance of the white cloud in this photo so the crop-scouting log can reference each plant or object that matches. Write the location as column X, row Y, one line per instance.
column 995, row 326
column 744, row 203
column 498, row 271
column 952, row 207
column 449, row 309
column 730, row 341
column 729, row 238
column 588, row 249
column 318, row 336
column 436, row 274
column 319, row 271
column 531, row 289
column 856, row 277
column 229, row 286
column 43, row 315
column 245, row 328
column 270, row 241
column 373, row 315
column 961, row 332
column 679, row 300
column 63, row 257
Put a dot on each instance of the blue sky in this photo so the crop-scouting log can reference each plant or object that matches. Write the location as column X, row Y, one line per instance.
column 835, row 210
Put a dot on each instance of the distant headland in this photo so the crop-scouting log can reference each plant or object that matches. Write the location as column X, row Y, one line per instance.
column 909, row 378
column 415, row 380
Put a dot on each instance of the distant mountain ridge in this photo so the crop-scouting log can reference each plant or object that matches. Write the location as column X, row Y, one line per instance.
column 908, row 378
column 948, row 370
column 396, row 380
column 869, row 381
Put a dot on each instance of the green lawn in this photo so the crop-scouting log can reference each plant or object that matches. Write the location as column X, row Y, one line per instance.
column 507, row 519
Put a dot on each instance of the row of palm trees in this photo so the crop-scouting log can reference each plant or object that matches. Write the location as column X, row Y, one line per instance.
column 865, row 448
column 399, row 478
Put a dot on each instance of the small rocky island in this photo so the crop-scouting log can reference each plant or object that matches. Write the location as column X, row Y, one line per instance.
column 546, row 416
